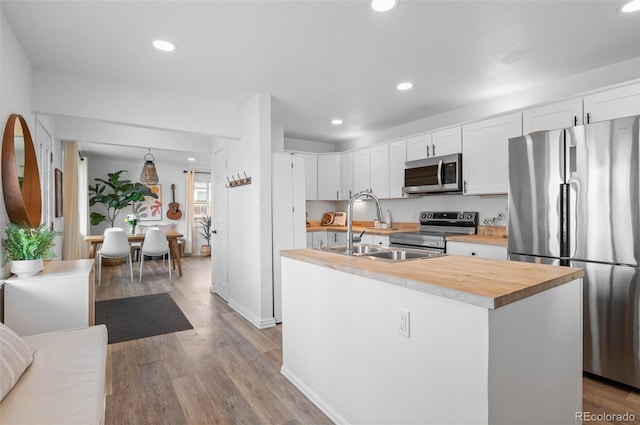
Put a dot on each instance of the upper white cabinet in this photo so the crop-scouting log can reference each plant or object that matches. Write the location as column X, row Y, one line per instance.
column 419, row 147
column 485, row 154
column 346, row 175
column 361, row 170
column 446, row 142
column 311, row 175
column 550, row 117
column 615, row 103
column 329, row 177
column 379, row 170
column 397, row 158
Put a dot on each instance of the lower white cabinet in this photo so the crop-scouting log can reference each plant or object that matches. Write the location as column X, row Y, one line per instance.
column 336, row 238
column 319, row 239
column 61, row 297
column 375, row 239
column 496, row 252
column 309, row 240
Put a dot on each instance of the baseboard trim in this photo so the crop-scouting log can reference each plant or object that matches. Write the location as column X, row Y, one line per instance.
column 311, row 395
column 255, row 321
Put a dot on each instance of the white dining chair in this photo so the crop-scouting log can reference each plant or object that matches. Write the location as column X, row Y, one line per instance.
column 114, row 245
column 155, row 243
column 135, row 246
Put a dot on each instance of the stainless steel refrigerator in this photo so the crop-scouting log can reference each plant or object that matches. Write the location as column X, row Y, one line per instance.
column 574, row 199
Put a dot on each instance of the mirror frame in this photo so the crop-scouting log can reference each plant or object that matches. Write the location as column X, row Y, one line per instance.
column 23, row 206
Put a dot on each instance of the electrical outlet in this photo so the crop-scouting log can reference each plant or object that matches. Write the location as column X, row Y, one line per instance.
column 403, row 322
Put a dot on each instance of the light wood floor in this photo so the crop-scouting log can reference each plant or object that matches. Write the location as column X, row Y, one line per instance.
column 225, row 371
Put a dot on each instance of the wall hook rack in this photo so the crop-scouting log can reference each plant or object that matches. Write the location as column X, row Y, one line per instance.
column 240, row 181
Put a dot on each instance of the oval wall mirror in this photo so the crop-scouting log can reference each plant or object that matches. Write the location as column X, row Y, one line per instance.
column 20, row 177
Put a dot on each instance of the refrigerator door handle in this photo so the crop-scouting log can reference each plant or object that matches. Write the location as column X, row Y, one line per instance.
column 564, row 221
column 440, row 173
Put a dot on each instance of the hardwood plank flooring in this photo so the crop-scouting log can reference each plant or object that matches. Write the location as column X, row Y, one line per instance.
column 224, row 370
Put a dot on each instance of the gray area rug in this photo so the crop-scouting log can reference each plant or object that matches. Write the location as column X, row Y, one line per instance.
column 140, row 317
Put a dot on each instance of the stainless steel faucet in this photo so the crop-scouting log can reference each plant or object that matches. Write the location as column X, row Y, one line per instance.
column 350, row 215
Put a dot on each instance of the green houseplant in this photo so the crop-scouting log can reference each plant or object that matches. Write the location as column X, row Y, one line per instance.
column 114, row 194
column 206, row 233
column 27, row 247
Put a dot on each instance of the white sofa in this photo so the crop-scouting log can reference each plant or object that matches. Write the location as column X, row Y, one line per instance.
column 65, row 383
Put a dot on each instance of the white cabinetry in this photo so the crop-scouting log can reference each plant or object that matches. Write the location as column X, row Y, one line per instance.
column 320, row 239
column 361, row 170
column 614, row 103
column 375, row 239
column 61, row 297
column 485, row 153
column 446, row 142
column 379, row 170
column 329, row 177
column 550, row 117
column 419, row 147
column 309, row 240
column 336, row 238
column 346, row 175
column 397, row 158
column 310, row 175
column 495, row 252
column 289, row 222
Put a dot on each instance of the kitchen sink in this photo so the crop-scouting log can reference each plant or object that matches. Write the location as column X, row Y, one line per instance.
column 358, row 249
column 402, row 255
column 377, row 252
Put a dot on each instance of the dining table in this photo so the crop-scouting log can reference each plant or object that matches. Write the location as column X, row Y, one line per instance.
column 172, row 237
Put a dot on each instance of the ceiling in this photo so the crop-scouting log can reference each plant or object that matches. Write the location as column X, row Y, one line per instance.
column 330, row 59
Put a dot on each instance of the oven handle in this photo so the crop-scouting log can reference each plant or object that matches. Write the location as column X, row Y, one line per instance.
column 440, row 173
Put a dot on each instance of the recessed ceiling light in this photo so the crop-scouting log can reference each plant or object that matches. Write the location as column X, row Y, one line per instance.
column 337, row 121
column 191, row 159
column 404, row 86
column 164, row 45
column 632, row 6
column 383, row 5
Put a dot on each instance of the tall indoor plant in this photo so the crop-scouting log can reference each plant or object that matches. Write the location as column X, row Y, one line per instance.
column 26, row 247
column 114, row 194
column 206, row 233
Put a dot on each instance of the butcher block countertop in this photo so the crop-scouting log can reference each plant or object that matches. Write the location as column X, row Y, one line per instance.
column 359, row 226
column 478, row 281
column 482, row 239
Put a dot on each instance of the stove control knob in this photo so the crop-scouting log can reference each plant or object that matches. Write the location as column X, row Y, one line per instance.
column 460, row 216
column 429, row 215
column 469, row 216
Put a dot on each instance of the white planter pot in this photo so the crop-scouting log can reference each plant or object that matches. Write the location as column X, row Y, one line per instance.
column 27, row 268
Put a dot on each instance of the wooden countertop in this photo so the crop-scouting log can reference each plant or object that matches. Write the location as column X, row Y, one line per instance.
column 481, row 239
column 478, row 281
column 359, row 226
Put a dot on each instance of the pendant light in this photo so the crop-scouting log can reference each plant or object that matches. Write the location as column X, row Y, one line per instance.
column 149, row 175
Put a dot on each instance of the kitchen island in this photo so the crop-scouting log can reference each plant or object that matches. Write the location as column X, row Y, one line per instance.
column 485, row 342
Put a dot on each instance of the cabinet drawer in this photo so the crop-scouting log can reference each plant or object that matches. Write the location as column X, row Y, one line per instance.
column 495, row 252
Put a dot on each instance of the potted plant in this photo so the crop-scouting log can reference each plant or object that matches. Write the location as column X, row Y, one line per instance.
column 206, row 233
column 115, row 194
column 27, row 247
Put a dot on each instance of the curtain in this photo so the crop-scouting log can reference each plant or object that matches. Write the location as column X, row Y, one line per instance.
column 190, row 240
column 75, row 204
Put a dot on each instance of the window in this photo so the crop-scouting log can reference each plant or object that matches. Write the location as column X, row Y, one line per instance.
column 202, row 199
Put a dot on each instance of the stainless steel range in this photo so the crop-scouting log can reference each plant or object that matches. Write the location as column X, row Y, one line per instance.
column 434, row 228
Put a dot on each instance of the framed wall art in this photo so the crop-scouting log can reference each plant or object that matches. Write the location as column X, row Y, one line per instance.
column 58, row 191
column 151, row 208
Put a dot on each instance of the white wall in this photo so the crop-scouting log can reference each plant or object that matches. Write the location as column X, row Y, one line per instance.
column 15, row 98
column 250, row 256
column 79, row 96
column 168, row 174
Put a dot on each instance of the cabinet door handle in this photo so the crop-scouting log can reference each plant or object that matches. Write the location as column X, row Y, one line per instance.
column 337, row 194
column 433, row 149
column 473, row 253
column 427, row 150
column 588, row 118
column 350, row 195
column 575, row 120
column 464, row 190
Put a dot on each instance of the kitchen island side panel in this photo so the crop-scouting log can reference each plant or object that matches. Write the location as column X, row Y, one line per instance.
column 463, row 363
column 341, row 347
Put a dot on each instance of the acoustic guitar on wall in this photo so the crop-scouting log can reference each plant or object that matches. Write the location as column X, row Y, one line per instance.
column 174, row 212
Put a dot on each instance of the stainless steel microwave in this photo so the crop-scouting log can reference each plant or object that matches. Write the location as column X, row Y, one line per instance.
column 433, row 175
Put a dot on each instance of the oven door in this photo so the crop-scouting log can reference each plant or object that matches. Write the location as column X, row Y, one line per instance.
column 434, row 175
column 411, row 240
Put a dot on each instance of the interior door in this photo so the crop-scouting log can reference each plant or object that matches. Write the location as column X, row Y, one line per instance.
column 220, row 263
